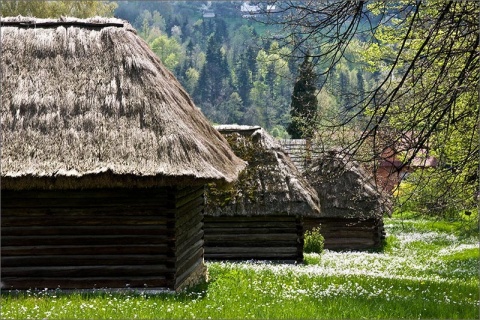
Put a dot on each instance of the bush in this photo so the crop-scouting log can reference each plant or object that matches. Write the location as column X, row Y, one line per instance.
column 313, row 241
column 436, row 193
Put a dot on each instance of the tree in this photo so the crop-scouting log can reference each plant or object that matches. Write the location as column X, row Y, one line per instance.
column 426, row 58
column 168, row 50
column 214, row 81
column 303, row 108
column 56, row 9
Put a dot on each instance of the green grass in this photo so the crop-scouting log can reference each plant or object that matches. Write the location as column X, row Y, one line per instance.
column 427, row 270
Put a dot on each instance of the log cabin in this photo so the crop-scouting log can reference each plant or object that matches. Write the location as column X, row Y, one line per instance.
column 104, row 160
column 260, row 216
column 352, row 205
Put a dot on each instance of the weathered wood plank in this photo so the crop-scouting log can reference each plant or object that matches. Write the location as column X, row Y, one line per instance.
column 251, row 237
column 249, row 243
column 83, row 260
column 181, row 247
column 249, row 224
column 86, row 271
column 181, row 192
column 249, row 219
column 189, row 251
column 139, row 210
column 87, row 249
column 247, row 250
column 184, row 266
column 193, row 223
column 259, row 256
column 92, row 239
column 157, row 193
column 87, row 283
column 188, row 197
column 187, row 234
column 348, row 233
column 211, row 230
column 189, row 220
column 85, row 221
column 82, row 230
column 180, row 278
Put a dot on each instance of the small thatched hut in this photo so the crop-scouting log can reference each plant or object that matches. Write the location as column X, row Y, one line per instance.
column 260, row 216
column 352, row 206
column 104, row 160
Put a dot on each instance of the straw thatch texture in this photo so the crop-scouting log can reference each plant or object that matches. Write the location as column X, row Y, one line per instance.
column 345, row 189
column 270, row 185
column 88, row 100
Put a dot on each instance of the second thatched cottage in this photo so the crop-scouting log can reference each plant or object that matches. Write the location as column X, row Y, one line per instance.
column 352, row 204
column 104, row 160
column 261, row 215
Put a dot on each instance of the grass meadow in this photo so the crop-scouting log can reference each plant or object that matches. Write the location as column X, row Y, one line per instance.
column 428, row 269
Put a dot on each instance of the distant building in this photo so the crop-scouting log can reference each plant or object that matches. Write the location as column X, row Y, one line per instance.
column 209, row 14
column 248, row 8
column 271, row 8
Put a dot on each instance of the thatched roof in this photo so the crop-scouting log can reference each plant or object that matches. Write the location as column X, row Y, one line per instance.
column 271, row 184
column 86, row 103
column 345, row 188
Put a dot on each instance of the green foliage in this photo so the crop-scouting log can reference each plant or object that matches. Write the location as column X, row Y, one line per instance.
column 313, row 241
column 56, row 9
column 433, row 192
column 303, row 109
column 168, row 50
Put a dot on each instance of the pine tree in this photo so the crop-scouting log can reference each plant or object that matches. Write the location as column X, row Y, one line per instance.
column 303, row 108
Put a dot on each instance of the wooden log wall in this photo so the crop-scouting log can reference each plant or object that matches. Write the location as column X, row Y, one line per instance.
column 189, row 236
column 113, row 238
column 349, row 233
column 273, row 238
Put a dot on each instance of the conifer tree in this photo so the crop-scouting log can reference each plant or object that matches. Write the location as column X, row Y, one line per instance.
column 303, row 108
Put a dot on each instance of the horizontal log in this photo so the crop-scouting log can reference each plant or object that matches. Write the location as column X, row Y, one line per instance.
column 185, row 275
column 140, row 210
column 339, row 222
column 181, row 247
column 249, row 224
column 86, row 221
column 257, row 256
column 186, row 264
column 193, row 223
column 249, row 219
column 348, row 243
column 184, row 236
column 87, row 271
column 147, row 193
column 83, row 202
column 186, row 213
column 348, row 234
column 91, row 239
column 84, row 260
column 88, row 250
column 251, row 237
column 87, row 283
column 181, row 192
column 82, row 230
column 248, row 250
column 189, row 251
column 251, row 243
column 181, row 200
column 233, row 229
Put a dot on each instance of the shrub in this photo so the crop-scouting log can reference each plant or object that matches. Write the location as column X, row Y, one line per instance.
column 313, row 241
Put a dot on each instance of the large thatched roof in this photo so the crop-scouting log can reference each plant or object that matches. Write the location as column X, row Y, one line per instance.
column 271, row 184
column 87, row 103
column 345, row 188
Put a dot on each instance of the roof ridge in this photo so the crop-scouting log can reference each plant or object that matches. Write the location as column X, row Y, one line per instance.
column 54, row 24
